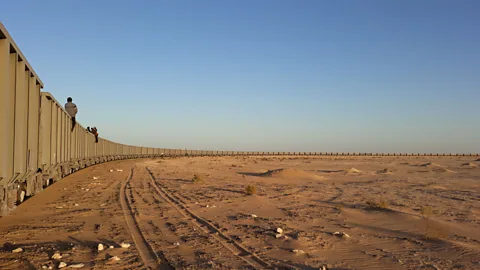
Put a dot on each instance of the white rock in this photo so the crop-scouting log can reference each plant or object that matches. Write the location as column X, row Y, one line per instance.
column 125, row 245
column 17, row 250
column 207, row 206
column 278, row 235
column 95, row 178
column 79, row 265
column 59, row 207
column 64, row 188
column 111, row 247
column 115, row 258
column 100, row 247
column 44, row 267
column 176, row 244
column 323, row 268
column 76, row 204
column 279, row 230
column 119, row 170
column 254, row 216
column 50, row 267
column 298, row 251
column 56, row 256
column 62, row 265
column 87, row 189
column 111, row 170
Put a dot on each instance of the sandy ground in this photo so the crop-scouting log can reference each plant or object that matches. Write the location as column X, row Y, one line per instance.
column 333, row 212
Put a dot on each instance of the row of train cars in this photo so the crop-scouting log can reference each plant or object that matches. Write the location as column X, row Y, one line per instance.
column 37, row 146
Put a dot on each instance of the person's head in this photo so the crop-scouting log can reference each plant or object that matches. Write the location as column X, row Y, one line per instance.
column 69, row 99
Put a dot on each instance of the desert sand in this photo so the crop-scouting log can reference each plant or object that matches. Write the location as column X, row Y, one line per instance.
column 306, row 213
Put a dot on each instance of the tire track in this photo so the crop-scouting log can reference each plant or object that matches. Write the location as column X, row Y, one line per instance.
column 241, row 252
column 149, row 257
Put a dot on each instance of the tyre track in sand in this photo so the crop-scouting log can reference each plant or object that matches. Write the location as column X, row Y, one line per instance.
column 149, row 257
column 235, row 248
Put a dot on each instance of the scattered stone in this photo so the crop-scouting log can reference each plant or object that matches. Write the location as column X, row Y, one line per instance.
column 298, row 251
column 114, row 258
column 56, row 256
column 279, row 230
column 79, row 265
column 125, row 245
column 176, row 244
column 17, row 250
column 100, row 247
column 62, row 265
column 341, row 234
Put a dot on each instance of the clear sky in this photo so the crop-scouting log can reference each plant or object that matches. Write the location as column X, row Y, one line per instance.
column 268, row 75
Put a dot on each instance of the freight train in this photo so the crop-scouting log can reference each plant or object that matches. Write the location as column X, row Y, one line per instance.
column 37, row 146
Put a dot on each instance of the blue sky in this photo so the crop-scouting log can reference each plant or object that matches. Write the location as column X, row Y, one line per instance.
column 369, row 76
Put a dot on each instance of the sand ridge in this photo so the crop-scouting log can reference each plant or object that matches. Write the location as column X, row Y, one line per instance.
column 469, row 165
column 290, row 173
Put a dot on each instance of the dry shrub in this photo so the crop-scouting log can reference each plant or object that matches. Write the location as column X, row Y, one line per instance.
column 378, row 204
column 250, row 190
column 197, row 179
column 426, row 211
column 433, row 231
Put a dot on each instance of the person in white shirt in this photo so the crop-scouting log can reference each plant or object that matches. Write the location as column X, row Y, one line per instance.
column 72, row 110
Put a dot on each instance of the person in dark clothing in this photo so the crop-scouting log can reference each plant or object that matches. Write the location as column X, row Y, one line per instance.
column 95, row 132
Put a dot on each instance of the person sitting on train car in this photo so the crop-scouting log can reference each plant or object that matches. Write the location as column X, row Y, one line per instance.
column 95, row 132
column 72, row 110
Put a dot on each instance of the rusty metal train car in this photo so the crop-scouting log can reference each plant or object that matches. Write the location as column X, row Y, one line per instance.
column 37, row 146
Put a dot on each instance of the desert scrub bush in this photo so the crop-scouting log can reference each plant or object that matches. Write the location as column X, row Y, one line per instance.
column 433, row 230
column 197, row 179
column 378, row 204
column 250, row 190
column 426, row 210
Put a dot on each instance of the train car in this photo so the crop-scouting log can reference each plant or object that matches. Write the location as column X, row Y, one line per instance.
column 19, row 120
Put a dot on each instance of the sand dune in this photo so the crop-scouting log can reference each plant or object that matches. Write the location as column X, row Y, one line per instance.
column 441, row 170
column 384, row 171
column 469, row 165
column 352, row 171
column 290, row 174
column 429, row 164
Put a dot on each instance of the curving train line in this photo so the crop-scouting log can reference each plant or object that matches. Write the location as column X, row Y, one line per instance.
column 38, row 148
